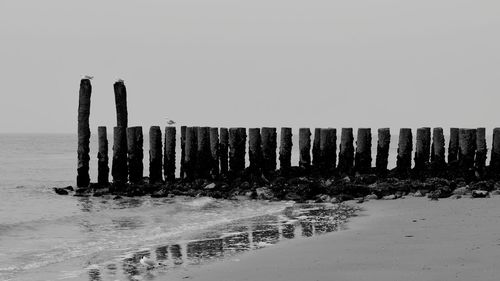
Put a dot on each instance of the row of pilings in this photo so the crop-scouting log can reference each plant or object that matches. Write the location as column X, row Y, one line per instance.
column 211, row 153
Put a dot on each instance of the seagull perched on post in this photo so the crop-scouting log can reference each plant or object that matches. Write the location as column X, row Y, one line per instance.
column 88, row 77
column 170, row 122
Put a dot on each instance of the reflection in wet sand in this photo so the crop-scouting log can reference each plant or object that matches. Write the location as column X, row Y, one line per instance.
column 300, row 221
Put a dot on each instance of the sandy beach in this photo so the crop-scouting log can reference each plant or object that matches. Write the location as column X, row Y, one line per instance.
column 405, row 239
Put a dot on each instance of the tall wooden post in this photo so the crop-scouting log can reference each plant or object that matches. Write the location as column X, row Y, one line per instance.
column 316, row 152
column 169, row 155
column 204, row 156
column 119, row 168
column 83, row 177
column 183, row 151
column 191, row 151
column 346, row 154
column 328, row 149
column 121, row 104
column 214, row 151
column 405, row 147
column 155, row 155
column 363, row 156
column 102, row 157
column 383, row 144
column 255, row 150
column 269, row 144
column 135, row 141
column 305, row 148
column 437, row 153
column 224, row 151
column 285, row 149
column 467, row 149
column 495, row 153
column 422, row 148
column 453, row 147
column 481, row 151
column 237, row 141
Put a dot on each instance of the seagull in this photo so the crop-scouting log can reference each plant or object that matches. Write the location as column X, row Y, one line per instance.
column 88, row 77
column 170, row 122
column 148, row 263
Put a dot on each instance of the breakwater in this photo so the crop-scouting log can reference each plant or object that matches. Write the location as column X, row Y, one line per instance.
column 210, row 154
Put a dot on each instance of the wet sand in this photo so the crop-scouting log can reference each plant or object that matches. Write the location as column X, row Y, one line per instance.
column 406, row 239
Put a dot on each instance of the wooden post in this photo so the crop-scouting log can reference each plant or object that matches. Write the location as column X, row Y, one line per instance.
column 204, row 155
column 255, row 150
column 405, row 147
column 169, row 155
column 453, row 147
column 183, row 151
column 480, row 161
column 383, row 144
column 102, row 157
column 237, row 140
column 316, row 152
column 305, row 148
column 495, row 153
column 268, row 140
column 467, row 149
column 363, row 156
column 437, row 154
column 191, row 151
column 285, row 149
column 135, row 141
column 328, row 143
column 83, row 177
column 224, row 150
column 346, row 154
column 119, row 169
column 422, row 148
column 214, row 151
column 155, row 155
column 121, row 104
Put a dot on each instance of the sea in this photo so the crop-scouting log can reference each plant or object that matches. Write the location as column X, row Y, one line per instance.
column 45, row 236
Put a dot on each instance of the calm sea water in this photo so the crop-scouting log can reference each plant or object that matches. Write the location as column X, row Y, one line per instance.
column 44, row 236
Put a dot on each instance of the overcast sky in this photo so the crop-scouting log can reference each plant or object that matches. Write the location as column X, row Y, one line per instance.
column 329, row 63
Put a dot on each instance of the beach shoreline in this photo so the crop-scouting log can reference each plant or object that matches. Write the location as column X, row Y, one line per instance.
column 405, row 239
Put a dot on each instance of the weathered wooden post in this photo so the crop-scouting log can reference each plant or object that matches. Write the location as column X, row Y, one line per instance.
column 316, row 152
column 422, row 148
column 121, row 104
column 405, row 147
column 237, row 140
column 328, row 149
column 155, row 155
column 495, row 153
column 383, row 144
column 204, row 155
column 453, row 147
column 183, row 151
column 346, row 154
column 467, row 149
column 269, row 144
column 363, row 156
column 438, row 162
column 305, row 148
column 102, row 157
column 169, row 155
column 214, row 152
column 191, row 151
column 224, row 151
column 285, row 149
column 135, row 141
column 119, row 169
column 255, row 150
column 481, row 150
column 83, row 177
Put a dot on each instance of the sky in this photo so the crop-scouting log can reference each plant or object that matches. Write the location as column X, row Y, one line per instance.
column 251, row 63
